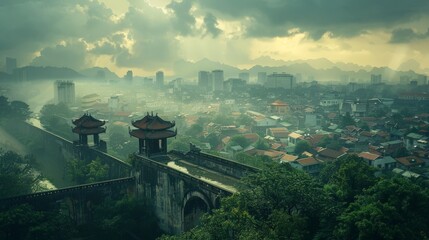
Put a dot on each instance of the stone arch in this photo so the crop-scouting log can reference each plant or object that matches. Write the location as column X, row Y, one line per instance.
column 195, row 204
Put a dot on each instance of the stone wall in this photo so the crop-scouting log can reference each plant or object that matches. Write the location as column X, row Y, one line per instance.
column 53, row 151
column 219, row 164
column 169, row 191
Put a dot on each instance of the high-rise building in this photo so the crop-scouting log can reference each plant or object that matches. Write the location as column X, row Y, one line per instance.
column 10, row 65
column 244, row 76
column 64, row 92
column 262, row 77
column 129, row 75
column 217, row 78
column 204, row 80
column 159, row 79
column 421, row 79
column 280, row 80
column 375, row 78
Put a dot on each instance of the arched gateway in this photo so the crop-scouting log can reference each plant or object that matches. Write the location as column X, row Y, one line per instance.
column 195, row 204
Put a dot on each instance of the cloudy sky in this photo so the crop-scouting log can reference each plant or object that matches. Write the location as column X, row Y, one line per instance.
column 148, row 35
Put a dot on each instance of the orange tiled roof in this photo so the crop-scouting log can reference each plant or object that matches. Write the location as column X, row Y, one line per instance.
column 368, row 155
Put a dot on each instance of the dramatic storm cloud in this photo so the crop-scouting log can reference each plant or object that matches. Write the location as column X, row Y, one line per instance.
column 146, row 35
column 340, row 17
column 406, row 35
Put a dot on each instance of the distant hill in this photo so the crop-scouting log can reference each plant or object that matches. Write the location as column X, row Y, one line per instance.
column 190, row 70
column 39, row 73
column 99, row 73
column 305, row 70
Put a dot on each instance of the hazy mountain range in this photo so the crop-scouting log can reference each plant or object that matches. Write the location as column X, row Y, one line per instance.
column 316, row 69
column 305, row 70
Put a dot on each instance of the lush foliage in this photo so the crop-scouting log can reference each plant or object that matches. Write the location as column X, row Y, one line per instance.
column 82, row 171
column 26, row 222
column 126, row 218
column 345, row 202
column 16, row 110
column 16, row 177
column 56, row 118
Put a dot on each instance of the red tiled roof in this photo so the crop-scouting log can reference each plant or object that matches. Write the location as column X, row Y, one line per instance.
column 409, row 160
column 330, row 153
column 253, row 137
column 368, row 156
column 288, row 158
column 307, row 161
column 150, row 122
column 279, row 132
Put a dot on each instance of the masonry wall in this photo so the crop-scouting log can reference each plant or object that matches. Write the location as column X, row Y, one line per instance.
column 53, row 151
column 219, row 164
column 169, row 190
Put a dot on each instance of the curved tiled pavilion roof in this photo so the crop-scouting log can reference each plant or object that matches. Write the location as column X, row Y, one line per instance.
column 151, row 122
column 88, row 121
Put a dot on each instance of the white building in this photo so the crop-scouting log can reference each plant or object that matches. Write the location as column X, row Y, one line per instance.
column 217, row 77
column 204, row 80
column 262, row 77
column 159, row 79
column 64, row 92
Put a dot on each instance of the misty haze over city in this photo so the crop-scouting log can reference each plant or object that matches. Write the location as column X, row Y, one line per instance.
column 205, row 119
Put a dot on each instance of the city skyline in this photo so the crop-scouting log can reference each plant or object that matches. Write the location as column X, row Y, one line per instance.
column 147, row 36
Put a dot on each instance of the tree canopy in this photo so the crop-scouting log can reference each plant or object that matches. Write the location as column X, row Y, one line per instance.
column 16, row 110
column 16, row 177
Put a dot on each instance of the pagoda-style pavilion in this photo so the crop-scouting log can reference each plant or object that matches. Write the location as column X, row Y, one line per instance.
column 88, row 125
column 152, row 132
column 278, row 107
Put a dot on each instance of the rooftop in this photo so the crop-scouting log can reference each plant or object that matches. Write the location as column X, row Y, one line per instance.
column 88, row 121
column 151, row 122
column 368, row 156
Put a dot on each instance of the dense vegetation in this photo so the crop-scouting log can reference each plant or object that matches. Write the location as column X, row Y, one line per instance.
column 112, row 218
column 16, row 175
column 14, row 110
column 125, row 218
column 346, row 202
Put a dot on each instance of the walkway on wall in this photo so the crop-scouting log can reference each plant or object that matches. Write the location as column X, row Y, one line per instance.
column 180, row 163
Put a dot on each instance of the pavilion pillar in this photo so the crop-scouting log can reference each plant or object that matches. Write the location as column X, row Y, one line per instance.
column 164, row 145
column 141, row 143
column 96, row 139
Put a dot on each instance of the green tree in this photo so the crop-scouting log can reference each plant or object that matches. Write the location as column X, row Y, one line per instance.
column 82, row 171
column 126, row 218
column 26, row 222
column 51, row 116
column 223, row 119
column 347, row 120
column 348, row 177
column 302, row 146
column 194, row 130
column 392, row 209
column 244, row 119
column 20, row 110
column 276, row 203
column 261, row 144
column 117, row 136
column 239, row 140
column 255, row 161
column 16, row 176
column 213, row 139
